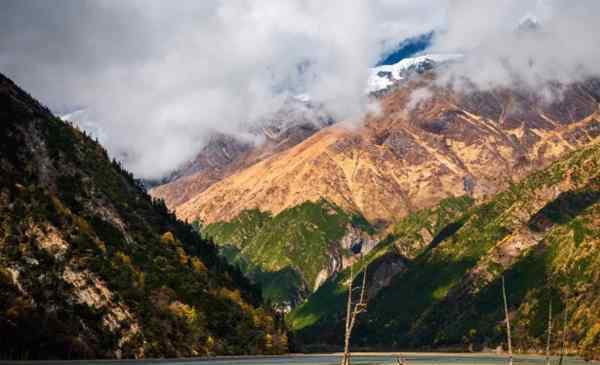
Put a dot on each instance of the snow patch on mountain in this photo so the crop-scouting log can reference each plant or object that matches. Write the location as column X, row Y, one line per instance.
column 384, row 76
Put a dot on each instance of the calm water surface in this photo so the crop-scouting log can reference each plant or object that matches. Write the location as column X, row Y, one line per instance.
column 411, row 359
column 416, row 359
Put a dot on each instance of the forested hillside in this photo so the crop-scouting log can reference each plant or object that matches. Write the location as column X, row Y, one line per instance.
column 435, row 282
column 291, row 253
column 93, row 267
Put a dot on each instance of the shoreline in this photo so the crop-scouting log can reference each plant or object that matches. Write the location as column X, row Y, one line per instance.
column 207, row 359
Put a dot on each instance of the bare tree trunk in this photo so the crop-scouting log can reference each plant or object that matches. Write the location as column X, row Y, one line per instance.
column 352, row 313
column 346, row 357
column 508, row 336
column 564, row 337
column 549, row 331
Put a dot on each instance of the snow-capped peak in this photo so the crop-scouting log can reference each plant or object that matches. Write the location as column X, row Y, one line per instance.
column 382, row 77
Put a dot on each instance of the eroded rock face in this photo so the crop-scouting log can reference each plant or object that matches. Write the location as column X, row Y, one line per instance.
column 220, row 151
column 385, row 271
column 224, row 155
column 50, row 240
column 221, row 154
column 14, row 273
column 449, row 145
column 339, row 256
column 354, row 235
column 321, row 278
column 404, row 147
column 90, row 290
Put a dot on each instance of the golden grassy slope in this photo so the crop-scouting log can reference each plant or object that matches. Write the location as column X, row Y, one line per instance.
column 407, row 159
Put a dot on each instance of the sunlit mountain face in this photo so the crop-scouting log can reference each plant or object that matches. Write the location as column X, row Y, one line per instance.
column 298, row 116
column 233, row 177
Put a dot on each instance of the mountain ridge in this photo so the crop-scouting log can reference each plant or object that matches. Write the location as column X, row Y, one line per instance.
column 447, row 145
column 295, row 120
column 441, row 288
column 307, row 244
column 92, row 267
column 412, row 156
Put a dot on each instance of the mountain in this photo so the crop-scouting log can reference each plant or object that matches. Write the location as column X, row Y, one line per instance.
column 297, row 118
column 294, row 121
column 413, row 154
column 435, row 282
column 92, row 267
column 222, row 155
column 384, row 77
column 428, row 143
column 292, row 253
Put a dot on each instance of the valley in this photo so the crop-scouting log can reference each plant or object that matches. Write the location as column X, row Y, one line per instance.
column 299, row 182
column 453, row 144
column 540, row 234
column 516, row 198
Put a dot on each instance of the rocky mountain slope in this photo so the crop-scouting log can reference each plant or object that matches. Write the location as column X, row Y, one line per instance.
column 293, row 122
column 414, row 154
column 435, row 281
column 297, row 119
column 428, row 143
column 292, row 253
column 92, row 267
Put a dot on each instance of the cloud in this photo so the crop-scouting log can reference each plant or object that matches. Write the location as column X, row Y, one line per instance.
column 530, row 42
column 156, row 78
column 417, row 96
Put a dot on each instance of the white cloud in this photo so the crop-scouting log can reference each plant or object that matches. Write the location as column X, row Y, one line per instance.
column 500, row 52
column 157, row 77
column 417, row 96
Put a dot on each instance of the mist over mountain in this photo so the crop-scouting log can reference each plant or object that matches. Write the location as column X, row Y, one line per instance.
column 214, row 178
column 159, row 80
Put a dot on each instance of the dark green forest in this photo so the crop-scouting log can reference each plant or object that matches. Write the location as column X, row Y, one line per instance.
column 92, row 267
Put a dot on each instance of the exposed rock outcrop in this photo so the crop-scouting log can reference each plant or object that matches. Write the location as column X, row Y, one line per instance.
column 451, row 144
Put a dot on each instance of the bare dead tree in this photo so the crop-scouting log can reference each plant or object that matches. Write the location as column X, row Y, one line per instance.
column 564, row 337
column 508, row 336
column 549, row 332
column 352, row 311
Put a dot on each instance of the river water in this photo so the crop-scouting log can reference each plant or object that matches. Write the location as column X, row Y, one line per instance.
column 411, row 359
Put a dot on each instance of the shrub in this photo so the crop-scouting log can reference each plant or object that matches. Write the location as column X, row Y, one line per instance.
column 198, row 265
column 168, row 239
column 183, row 257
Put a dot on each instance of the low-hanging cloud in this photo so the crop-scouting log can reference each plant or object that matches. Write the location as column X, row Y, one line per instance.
column 529, row 42
column 154, row 79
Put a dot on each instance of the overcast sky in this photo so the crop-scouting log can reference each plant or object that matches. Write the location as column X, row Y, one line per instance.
column 155, row 78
